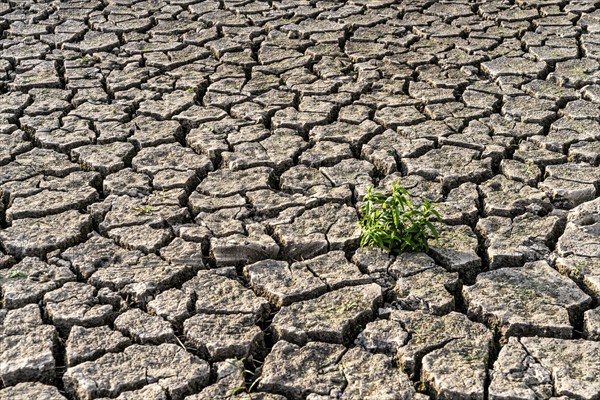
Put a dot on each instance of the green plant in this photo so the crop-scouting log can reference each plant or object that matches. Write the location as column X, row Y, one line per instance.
column 350, row 306
column 248, row 376
column 394, row 223
column 143, row 210
column 529, row 168
column 86, row 167
column 245, row 390
column 16, row 274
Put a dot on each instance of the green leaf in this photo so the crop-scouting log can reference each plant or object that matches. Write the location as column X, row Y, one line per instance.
column 16, row 274
column 394, row 223
column 238, row 390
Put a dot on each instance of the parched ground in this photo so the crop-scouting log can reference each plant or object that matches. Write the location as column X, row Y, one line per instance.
column 180, row 180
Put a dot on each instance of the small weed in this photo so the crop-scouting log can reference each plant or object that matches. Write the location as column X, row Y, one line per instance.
column 142, row 210
column 394, row 223
column 16, row 274
column 86, row 167
column 529, row 168
column 244, row 389
column 190, row 90
column 87, row 58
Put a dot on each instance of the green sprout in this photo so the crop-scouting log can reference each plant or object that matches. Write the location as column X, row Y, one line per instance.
column 142, row 210
column 394, row 223
column 248, row 376
column 16, row 274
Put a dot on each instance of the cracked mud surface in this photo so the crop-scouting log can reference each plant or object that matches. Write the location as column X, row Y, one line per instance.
column 180, row 183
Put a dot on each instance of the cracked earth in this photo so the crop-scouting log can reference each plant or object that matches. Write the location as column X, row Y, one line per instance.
column 180, row 183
